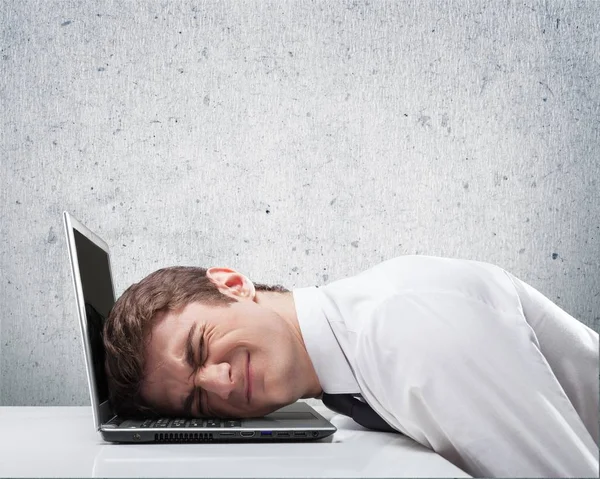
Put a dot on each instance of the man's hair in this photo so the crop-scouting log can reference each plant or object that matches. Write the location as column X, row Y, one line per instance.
column 132, row 319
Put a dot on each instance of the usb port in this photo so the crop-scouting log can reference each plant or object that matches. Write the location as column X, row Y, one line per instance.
column 301, row 434
column 266, row 433
column 283, row 434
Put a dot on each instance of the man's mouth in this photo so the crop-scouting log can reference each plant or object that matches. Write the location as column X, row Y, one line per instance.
column 248, row 380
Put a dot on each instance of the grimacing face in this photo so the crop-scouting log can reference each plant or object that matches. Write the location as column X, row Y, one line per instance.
column 246, row 360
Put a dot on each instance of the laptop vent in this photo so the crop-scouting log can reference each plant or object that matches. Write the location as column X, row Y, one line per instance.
column 183, row 437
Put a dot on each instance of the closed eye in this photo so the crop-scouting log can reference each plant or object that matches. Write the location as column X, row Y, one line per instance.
column 200, row 363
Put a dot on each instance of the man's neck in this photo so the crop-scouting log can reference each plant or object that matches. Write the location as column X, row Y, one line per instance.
column 284, row 305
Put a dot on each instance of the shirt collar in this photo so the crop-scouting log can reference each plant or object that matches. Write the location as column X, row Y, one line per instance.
column 331, row 366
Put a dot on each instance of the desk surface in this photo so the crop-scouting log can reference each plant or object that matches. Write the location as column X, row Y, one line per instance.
column 62, row 441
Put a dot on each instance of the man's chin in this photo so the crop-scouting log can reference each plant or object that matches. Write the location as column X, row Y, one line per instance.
column 262, row 411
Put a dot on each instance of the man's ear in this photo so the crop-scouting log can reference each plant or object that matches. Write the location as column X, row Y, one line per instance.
column 229, row 281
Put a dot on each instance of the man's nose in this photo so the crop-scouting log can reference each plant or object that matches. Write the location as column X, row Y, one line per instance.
column 216, row 378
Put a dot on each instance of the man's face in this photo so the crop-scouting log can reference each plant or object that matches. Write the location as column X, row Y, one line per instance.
column 240, row 361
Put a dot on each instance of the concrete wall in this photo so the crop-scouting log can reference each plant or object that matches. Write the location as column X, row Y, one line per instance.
column 297, row 142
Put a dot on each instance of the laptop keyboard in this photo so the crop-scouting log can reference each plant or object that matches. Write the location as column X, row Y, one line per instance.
column 187, row 422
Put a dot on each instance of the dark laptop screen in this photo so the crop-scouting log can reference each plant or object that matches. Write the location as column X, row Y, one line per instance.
column 99, row 299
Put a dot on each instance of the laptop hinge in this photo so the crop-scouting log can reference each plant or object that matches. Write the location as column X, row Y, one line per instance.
column 109, row 424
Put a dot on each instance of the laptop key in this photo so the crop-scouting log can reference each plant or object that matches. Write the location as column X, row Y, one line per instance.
column 195, row 423
column 213, row 423
column 148, row 423
column 233, row 423
column 163, row 422
column 178, row 422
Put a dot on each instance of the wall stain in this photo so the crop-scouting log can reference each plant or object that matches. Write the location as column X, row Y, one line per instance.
column 51, row 237
column 424, row 121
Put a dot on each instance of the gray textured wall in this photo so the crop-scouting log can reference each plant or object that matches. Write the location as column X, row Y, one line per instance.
column 298, row 142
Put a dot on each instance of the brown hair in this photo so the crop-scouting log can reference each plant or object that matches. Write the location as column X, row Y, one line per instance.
column 132, row 318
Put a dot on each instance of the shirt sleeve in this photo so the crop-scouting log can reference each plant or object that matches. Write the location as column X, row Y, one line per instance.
column 467, row 380
column 571, row 349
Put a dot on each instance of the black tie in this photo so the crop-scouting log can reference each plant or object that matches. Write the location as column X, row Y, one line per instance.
column 361, row 412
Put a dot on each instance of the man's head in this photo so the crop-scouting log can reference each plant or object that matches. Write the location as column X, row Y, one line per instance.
column 189, row 341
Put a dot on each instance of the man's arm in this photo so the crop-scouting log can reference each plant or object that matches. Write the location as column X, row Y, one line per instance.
column 468, row 381
column 570, row 347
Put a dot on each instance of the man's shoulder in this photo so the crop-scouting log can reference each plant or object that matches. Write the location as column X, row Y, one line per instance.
column 415, row 284
column 430, row 273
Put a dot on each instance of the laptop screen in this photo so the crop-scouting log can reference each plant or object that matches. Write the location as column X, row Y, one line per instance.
column 99, row 298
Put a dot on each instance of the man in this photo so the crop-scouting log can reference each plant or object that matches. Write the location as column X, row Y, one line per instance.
column 459, row 355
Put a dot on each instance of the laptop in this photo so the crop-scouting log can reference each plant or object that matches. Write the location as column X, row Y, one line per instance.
column 94, row 292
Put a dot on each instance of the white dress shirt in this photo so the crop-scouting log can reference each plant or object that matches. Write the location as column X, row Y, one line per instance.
column 464, row 358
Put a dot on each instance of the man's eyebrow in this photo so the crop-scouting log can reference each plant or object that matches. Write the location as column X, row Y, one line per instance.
column 189, row 348
column 189, row 358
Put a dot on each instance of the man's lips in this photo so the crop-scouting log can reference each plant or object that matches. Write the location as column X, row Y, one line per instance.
column 248, row 388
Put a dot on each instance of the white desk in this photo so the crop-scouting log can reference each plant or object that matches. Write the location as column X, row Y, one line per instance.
column 61, row 441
